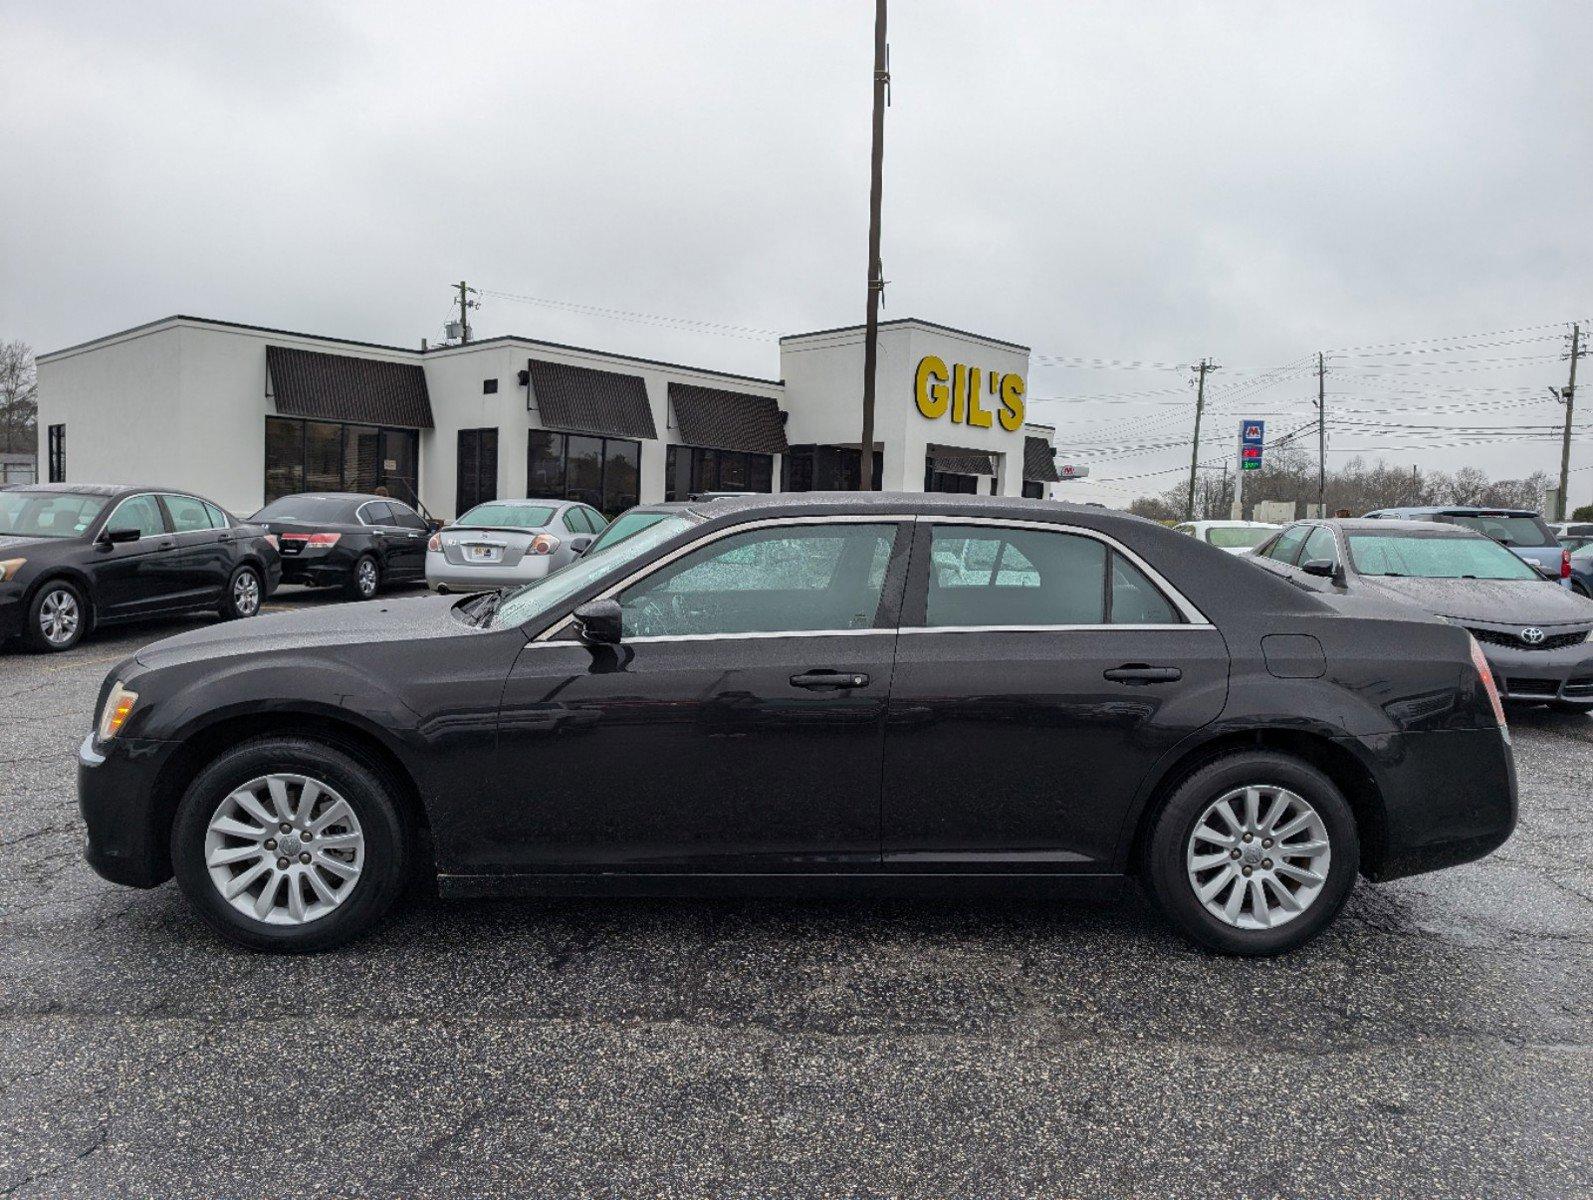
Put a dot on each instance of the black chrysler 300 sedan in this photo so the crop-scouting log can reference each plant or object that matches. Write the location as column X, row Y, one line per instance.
column 819, row 693
column 74, row 556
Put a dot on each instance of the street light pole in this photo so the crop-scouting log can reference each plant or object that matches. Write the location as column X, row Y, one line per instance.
column 876, row 271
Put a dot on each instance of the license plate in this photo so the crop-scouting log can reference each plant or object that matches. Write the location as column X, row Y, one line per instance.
column 483, row 553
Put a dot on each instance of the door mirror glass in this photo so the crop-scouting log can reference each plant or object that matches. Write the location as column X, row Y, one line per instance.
column 599, row 622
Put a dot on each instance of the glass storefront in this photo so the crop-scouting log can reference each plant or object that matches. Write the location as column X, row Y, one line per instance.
column 692, row 469
column 327, row 456
column 603, row 472
column 819, row 468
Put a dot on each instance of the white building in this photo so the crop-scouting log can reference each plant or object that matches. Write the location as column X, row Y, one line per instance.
column 243, row 414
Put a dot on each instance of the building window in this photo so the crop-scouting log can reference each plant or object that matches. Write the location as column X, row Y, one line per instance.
column 692, row 469
column 1033, row 489
column 950, row 481
column 817, row 468
column 605, row 473
column 489, row 387
column 327, row 456
column 57, row 445
column 477, row 479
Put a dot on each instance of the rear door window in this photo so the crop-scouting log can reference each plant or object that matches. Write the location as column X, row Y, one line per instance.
column 188, row 515
column 985, row 576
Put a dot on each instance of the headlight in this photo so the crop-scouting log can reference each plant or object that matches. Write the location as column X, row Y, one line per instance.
column 118, row 707
column 10, row 567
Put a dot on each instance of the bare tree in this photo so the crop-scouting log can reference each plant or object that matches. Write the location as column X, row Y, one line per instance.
column 19, row 406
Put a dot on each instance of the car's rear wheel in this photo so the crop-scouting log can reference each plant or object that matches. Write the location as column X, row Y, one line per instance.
column 58, row 617
column 1253, row 854
column 365, row 580
column 290, row 845
column 244, row 594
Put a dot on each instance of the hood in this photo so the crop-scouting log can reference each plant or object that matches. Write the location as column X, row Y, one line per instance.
column 20, row 543
column 1486, row 601
column 407, row 620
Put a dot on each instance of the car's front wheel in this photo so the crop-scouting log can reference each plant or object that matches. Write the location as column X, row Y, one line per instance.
column 290, row 845
column 57, row 616
column 1253, row 854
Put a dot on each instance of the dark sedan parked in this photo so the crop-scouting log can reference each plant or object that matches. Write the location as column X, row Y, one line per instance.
column 347, row 540
column 823, row 693
column 77, row 555
column 1538, row 637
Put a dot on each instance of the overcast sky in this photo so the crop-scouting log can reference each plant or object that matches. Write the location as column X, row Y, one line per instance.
column 1117, row 182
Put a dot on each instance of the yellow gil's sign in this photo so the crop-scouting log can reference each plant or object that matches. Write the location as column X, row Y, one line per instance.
column 940, row 390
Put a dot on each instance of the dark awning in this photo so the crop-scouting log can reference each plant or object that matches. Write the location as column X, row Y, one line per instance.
column 581, row 400
column 343, row 387
column 962, row 462
column 722, row 420
column 1039, row 461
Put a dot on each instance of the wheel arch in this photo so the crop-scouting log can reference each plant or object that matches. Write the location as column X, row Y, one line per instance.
column 78, row 579
column 204, row 745
column 1340, row 764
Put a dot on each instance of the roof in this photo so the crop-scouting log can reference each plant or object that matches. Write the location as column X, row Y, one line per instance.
column 900, row 321
column 1387, row 524
column 1039, row 461
column 725, row 420
column 346, row 387
column 93, row 489
column 1226, row 524
column 1461, row 510
column 585, row 400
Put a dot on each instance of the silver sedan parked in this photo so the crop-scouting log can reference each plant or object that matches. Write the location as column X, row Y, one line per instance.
column 505, row 543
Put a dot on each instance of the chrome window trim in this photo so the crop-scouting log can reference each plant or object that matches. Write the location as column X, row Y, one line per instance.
column 1097, row 627
column 1191, row 614
column 738, row 637
column 612, row 590
column 129, row 499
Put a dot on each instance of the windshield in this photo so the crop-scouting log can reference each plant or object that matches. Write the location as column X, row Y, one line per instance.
column 1512, row 531
column 47, row 514
column 1235, row 537
column 536, row 599
column 308, row 508
column 626, row 525
column 515, row 516
column 1419, row 556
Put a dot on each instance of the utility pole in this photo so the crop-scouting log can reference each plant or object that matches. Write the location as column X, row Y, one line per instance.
column 1194, row 455
column 1321, row 439
column 1569, row 397
column 876, row 270
column 465, row 305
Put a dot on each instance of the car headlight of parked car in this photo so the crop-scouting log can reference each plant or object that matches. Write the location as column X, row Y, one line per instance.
column 10, row 567
column 118, row 707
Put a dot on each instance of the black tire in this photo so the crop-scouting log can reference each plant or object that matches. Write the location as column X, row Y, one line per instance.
column 1576, row 586
column 369, row 794
column 364, row 579
column 1575, row 710
column 239, row 602
column 61, row 595
column 1166, row 872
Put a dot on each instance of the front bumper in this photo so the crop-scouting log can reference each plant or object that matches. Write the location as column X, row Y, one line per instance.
column 128, row 827
column 465, row 577
column 1564, row 675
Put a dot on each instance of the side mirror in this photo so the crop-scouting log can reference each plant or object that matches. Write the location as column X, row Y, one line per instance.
column 1326, row 568
column 599, row 622
column 116, row 537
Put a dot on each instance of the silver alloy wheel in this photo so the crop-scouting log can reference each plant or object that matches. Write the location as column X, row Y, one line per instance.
column 284, row 849
column 59, row 617
column 246, row 593
column 365, row 577
column 1258, row 857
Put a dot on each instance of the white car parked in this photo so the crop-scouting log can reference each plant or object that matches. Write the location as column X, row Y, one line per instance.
column 1236, row 537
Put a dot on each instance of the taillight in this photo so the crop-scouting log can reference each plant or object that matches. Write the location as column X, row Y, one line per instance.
column 544, row 543
column 313, row 539
column 1565, row 564
column 1480, row 661
column 435, row 543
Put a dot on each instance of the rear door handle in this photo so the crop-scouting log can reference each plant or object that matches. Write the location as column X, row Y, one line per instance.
column 821, row 680
column 1136, row 674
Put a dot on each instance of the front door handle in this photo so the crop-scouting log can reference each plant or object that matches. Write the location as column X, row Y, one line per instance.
column 822, row 680
column 1138, row 674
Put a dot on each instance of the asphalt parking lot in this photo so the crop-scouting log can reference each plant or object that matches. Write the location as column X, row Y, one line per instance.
column 1436, row 1041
